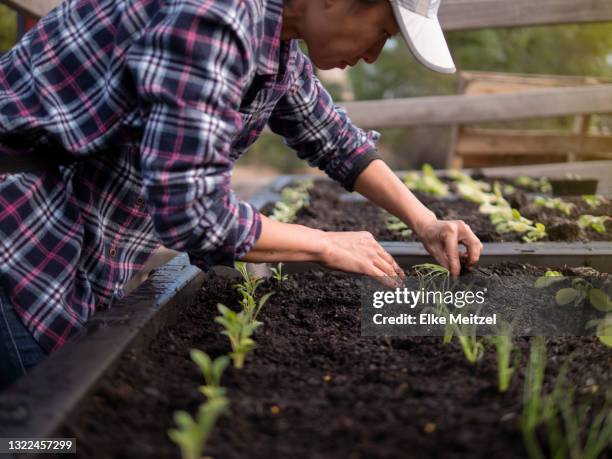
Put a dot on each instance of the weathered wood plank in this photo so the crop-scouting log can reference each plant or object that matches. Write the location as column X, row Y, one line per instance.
column 462, row 109
column 477, row 14
column 456, row 14
column 495, row 142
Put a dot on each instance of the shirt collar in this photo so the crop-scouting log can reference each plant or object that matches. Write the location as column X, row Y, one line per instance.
column 270, row 48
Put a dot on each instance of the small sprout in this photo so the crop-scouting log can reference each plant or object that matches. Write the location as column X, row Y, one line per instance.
column 505, row 350
column 250, row 282
column 396, row 225
column 430, row 427
column 426, row 182
column 594, row 201
column 573, row 430
column 239, row 329
column 472, row 346
column 291, row 201
column 542, row 184
column 555, row 204
column 596, row 223
column 250, row 306
column 516, row 223
column 191, row 435
column 212, row 372
column 582, row 290
column 277, row 273
column 533, row 403
column 549, row 278
column 462, row 178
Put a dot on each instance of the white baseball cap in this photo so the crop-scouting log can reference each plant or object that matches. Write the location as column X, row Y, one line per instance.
column 418, row 22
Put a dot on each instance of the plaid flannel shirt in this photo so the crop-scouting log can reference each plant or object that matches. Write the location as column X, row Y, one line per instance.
column 154, row 100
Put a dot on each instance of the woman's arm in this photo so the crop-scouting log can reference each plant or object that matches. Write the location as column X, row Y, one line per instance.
column 356, row 252
column 380, row 185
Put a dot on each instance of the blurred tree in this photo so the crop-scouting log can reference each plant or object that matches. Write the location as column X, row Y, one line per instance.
column 563, row 50
column 8, row 28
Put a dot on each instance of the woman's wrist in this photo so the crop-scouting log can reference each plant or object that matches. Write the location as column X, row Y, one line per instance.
column 422, row 222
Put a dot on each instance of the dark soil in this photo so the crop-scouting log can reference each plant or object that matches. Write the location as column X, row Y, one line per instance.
column 329, row 210
column 314, row 388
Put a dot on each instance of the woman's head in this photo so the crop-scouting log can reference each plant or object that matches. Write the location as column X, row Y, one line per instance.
column 341, row 32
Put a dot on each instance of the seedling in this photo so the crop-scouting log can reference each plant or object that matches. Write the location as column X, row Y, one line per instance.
column 250, row 282
column 574, row 431
column 603, row 329
column 555, row 204
column 516, row 223
column 582, row 290
column 594, row 201
column 472, row 346
column 291, row 201
column 597, row 223
column 277, row 273
column 239, row 329
column 428, row 273
column 505, row 351
column 533, row 403
column 426, row 182
column 549, row 278
column 395, row 224
column 192, row 434
column 542, row 184
column 462, row 178
column 212, row 372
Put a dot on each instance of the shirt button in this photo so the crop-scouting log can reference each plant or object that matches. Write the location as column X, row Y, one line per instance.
column 139, row 202
column 112, row 252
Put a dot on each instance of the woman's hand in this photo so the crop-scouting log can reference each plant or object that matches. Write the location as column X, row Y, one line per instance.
column 441, row 238
column 354, row 252
column 358, row 252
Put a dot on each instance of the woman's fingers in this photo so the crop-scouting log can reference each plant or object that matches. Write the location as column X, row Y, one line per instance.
column 472, row 245
column 398, row 271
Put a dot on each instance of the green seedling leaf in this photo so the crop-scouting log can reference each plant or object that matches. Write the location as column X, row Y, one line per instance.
column 600, row 300
column 566, row 296
column 548, row 279
column 604, row 331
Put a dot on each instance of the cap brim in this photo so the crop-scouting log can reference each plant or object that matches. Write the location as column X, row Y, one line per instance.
column 425, row 39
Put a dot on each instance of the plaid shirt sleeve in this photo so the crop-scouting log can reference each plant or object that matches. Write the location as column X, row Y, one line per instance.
column 321, row 133
column 190, row 66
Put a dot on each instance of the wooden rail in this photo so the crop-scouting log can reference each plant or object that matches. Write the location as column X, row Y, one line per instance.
column 478, row 14
column 455, row 14
column 462, row 109
column 506, row 141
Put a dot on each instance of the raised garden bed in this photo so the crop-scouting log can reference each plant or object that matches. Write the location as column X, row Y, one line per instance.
column 330, row 208
column 377, row 397
column 313, row 387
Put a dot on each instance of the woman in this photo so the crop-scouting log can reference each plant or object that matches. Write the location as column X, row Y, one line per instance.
column 124, row 119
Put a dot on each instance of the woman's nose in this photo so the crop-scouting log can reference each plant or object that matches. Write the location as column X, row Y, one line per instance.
column 371, row 55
